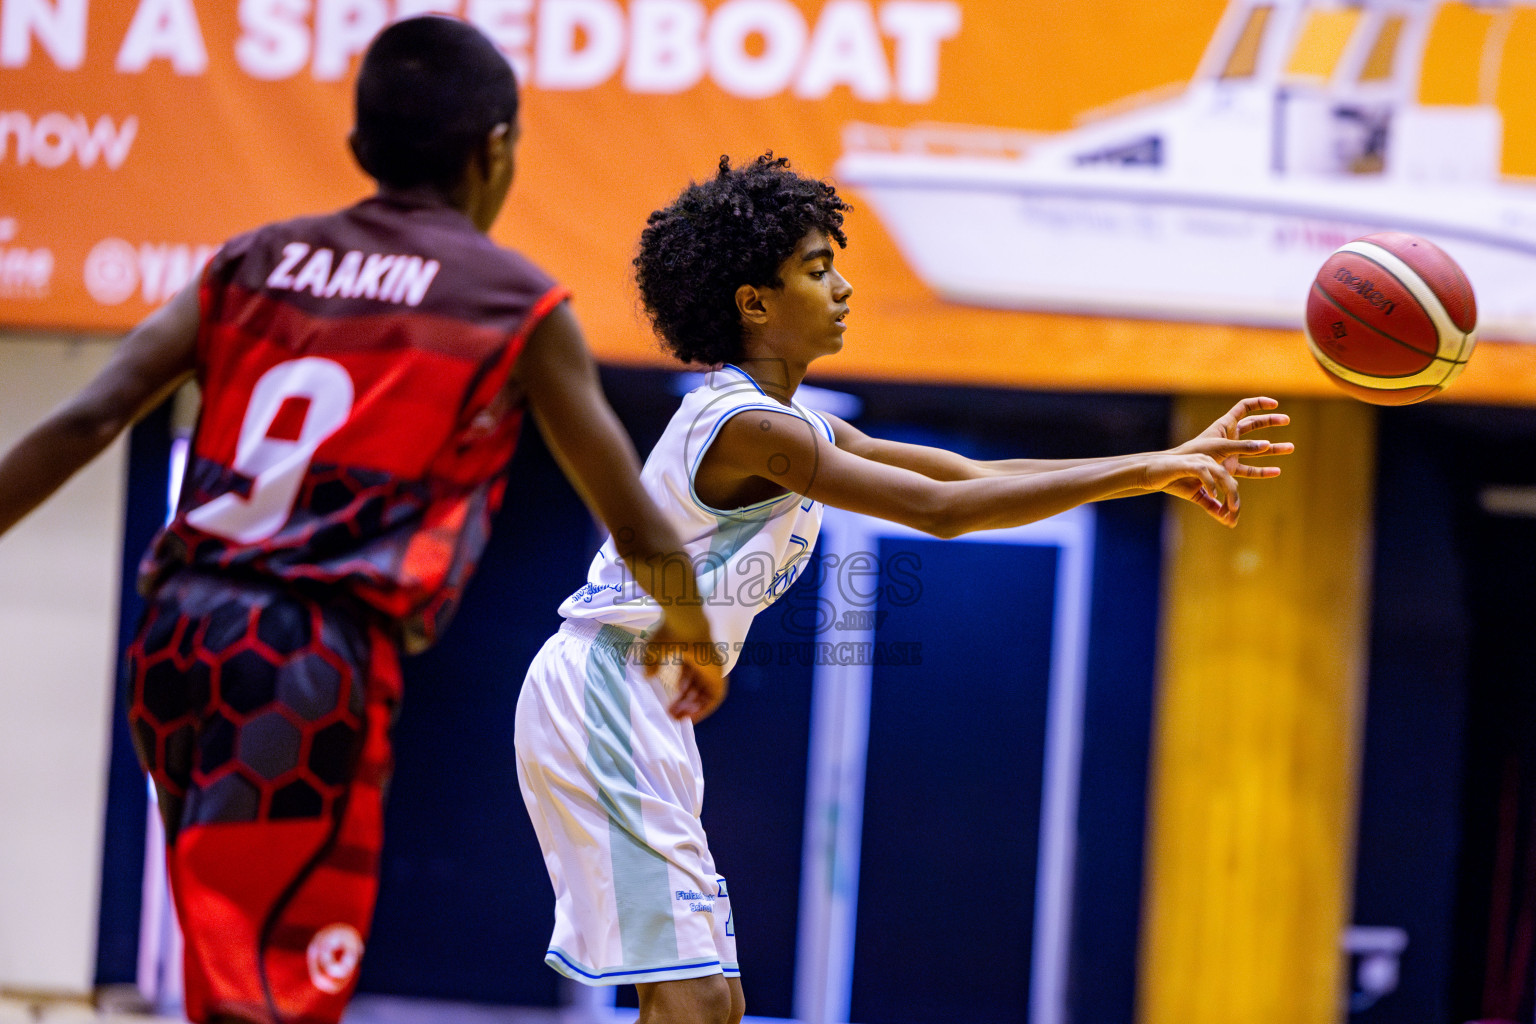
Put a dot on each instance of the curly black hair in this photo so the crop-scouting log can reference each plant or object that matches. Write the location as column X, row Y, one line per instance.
column 737, row 228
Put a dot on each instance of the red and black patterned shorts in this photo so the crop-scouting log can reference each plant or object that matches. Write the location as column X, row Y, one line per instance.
column 263, row 717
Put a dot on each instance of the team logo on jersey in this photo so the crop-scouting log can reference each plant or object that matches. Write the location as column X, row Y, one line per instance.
column 799, row 553
column 333, row 955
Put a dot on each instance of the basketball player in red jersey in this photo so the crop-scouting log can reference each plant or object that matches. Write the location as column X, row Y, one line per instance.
column 364, row 376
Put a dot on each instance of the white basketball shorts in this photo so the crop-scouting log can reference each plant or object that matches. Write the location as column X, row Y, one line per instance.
column 614, row 787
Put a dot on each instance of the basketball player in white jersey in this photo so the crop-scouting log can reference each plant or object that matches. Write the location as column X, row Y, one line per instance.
column 738, row 274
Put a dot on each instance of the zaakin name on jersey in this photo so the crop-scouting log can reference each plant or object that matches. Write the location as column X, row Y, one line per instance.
column 394, row 278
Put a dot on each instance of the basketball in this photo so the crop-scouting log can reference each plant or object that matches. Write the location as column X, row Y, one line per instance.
column 1391, row 318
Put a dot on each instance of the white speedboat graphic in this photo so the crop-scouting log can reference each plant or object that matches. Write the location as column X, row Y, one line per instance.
column 1301, row 130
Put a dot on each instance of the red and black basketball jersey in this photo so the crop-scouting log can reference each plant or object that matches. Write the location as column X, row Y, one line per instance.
column 357, row 418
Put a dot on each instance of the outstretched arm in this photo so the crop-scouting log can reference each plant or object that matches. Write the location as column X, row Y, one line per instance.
column 1243, row 418
column 148, row 364
column 785, row 449
column 936, row 463
column 556, row 373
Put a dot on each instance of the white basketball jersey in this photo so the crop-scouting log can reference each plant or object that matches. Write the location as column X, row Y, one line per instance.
column 745, row 558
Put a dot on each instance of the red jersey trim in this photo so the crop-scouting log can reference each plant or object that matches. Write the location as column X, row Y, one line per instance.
column 204, row 316
column 541, row 309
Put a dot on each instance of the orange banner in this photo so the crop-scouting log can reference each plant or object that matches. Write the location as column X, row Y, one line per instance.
column 1116, row 195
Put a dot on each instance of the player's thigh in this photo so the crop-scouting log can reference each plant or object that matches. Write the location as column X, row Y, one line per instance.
column 738, row 1000
column 249, row 703
column 274, row 864
column 168, row 687
column 706, row 1000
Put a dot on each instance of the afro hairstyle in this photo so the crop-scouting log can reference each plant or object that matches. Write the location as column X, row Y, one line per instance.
column 736, row 228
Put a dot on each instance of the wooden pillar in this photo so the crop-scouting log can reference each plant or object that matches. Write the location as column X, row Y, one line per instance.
column 1252, row 810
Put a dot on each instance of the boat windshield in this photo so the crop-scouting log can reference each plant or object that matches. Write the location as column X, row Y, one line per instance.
column 1243, row 61
column 1381, row 61
column 1321, row 43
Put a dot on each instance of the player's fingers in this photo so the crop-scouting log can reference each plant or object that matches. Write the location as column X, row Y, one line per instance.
column 1234, row 502
column 1248, row 424
column 1206, row 500
column 700, row 691
column 1248, row 406
column 1223, row 515
column 1206, row 479
column 1279, row 448
column 1225, row 448
column 685, row 702
column 1213, row 506
column 1248, row 472
column 1223, row 483
column 1244, row 407
column 696, row 705
column 1269, row 448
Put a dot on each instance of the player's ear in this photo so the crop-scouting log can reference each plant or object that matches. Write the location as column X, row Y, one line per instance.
column 750, row 306
column 496, row 151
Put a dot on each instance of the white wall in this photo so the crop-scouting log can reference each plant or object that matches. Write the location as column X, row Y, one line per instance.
column 59, row 579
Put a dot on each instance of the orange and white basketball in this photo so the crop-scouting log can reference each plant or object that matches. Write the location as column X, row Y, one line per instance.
column 1391, row 318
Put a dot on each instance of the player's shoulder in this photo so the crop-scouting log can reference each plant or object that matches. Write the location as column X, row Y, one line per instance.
column 490, row 282
column 481, row 265
column 508, row 262
column 727, row 390
column 270, row 238
column 717, row 395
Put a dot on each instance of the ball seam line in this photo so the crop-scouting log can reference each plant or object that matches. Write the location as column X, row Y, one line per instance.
column 1333, row 303
column 1416, row 286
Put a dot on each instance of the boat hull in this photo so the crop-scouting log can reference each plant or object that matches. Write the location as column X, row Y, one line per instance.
column 1217, row 254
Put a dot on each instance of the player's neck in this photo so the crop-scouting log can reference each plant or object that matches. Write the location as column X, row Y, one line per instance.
column 778, row 378
column 420, row 195
column 463, row 199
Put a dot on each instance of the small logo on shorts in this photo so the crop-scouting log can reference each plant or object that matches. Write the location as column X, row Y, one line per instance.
column 333, row 956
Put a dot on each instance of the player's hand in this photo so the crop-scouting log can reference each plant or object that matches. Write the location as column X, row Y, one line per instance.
column 683, row 636
column 1238, row 422
column 1246, row 416
column 1200, row 476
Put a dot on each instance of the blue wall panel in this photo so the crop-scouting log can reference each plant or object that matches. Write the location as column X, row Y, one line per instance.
column 953, row 790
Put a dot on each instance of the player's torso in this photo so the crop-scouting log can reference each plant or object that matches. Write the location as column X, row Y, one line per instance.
column 745, row 558
column 356, row 410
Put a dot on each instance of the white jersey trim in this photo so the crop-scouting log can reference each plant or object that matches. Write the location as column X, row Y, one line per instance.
column 793, row 409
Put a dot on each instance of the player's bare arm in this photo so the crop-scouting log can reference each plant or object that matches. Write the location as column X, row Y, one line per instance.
column 774, row 449
column 148, row 364
column 940, row 464
column 556, row 373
